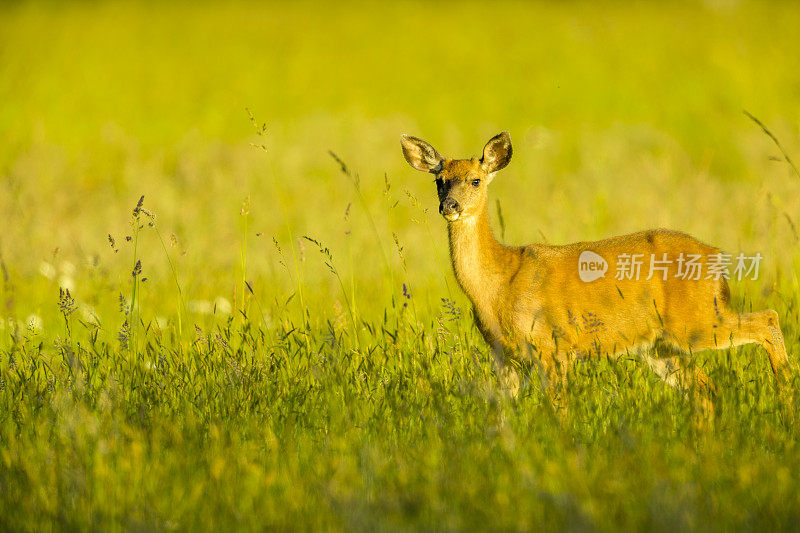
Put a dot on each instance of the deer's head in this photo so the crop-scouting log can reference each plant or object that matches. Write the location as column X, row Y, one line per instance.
column 461, row 183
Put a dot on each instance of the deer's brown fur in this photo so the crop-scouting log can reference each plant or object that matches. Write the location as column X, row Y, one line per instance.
column 530, row 304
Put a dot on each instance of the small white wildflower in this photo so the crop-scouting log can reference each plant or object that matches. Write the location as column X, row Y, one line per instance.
column 89, row 315
column 223, row 305
column 67, row 268
column 201, row 307
column 34, row 322
column 47, row 270
column 66, row 282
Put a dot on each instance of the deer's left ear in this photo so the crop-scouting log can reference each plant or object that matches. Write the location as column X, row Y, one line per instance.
column 420, row 154
column 496, row 153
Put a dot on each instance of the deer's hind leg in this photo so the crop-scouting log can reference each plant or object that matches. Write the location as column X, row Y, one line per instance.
column 677, row 369
column 731, row 329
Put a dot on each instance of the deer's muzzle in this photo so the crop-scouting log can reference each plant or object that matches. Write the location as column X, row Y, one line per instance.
column 450, row 209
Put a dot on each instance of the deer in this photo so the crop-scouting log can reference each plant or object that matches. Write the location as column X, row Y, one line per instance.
column 532, row 305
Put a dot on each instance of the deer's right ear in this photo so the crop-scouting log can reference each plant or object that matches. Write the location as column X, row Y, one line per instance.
column 497, row 153
column 420, row 154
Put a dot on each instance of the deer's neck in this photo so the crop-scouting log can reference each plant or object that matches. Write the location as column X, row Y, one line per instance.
column 479, row 261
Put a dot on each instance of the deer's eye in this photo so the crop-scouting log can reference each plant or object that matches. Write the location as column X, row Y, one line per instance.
column 475, row 183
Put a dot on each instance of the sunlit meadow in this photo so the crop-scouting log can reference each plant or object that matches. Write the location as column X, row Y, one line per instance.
column 226, row 301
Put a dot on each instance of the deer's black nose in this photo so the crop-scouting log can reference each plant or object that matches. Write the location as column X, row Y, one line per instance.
column 449, row 206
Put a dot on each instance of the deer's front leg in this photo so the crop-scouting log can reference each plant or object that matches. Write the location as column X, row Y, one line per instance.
column 506, row 375
column 509, row 380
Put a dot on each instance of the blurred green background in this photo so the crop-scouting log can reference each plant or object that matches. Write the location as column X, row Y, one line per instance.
column 623, row 115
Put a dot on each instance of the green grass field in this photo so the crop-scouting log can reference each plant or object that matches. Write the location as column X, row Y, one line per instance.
column 212, row 368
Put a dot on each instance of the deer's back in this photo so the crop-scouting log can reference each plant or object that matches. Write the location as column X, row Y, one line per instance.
column 624, row 307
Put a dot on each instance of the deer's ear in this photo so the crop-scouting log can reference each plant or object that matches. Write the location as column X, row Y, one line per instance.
column 497, row 153
column 420, row 154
